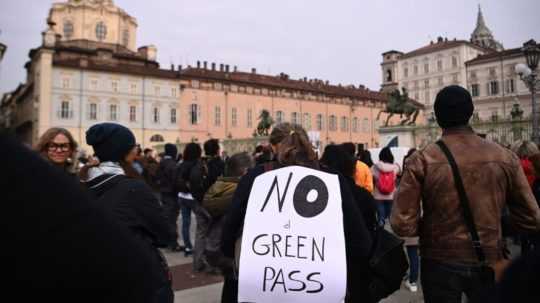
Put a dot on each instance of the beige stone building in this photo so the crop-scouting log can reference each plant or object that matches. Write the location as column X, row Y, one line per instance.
column 88, row 70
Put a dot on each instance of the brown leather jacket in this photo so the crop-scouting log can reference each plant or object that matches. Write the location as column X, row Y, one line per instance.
column 493, row 179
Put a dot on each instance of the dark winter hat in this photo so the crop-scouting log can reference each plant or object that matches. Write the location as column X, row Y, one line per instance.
column 171, row 150
column 453, row 106
column 111, row 142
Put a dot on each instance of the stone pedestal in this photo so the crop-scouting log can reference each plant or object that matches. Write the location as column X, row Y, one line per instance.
column 397, row 136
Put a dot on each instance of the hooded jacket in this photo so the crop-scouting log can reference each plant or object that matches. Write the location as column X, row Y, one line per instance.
column 376, row 170
column 219, row 197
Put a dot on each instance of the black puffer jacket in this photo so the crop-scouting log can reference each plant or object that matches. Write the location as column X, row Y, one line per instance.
column 133, row 204
column 191, row 177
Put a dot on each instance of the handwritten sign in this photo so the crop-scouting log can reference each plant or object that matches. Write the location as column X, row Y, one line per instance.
column 293, row 245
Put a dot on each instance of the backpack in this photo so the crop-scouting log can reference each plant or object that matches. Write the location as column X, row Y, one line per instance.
column 386, row 183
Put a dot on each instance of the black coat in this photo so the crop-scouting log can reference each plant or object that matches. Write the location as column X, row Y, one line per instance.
column 216, row 168
column 358, row 240
column 166, row 176
column 192, row 175
column 58, row 245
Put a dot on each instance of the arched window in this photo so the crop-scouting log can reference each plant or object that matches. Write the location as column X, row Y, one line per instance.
column 101, row 31
column 68, row 29
column 388, row 75
column 157, row 138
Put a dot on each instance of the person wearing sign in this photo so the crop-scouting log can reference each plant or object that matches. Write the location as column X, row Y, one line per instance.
column 464, row 182
column 384, row 176
column 292, row 147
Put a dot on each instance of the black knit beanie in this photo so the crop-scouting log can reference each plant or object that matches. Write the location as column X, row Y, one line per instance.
column 111, row 142
column 171, row 150
column 453, row 107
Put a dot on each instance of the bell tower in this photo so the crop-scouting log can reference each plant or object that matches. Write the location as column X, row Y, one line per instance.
column 389, row 67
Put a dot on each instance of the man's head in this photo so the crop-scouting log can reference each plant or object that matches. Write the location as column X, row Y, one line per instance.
column 238, row 164
column 349, row 148
column 148, row 152
column 211, row 148
column 453, row 107
column 171, row 150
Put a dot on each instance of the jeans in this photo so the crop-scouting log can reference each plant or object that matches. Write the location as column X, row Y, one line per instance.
column 412, row 254
column 186, row 206
column 445, row 283
column 384, row 208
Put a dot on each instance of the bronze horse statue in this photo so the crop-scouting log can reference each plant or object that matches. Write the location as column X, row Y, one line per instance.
column 399, row 103
column 265, row 123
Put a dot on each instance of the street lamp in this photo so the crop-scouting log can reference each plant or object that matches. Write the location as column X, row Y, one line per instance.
column 528, row 74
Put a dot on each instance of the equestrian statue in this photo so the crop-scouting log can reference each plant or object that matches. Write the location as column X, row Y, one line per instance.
column 265, row 123
column 400, row 104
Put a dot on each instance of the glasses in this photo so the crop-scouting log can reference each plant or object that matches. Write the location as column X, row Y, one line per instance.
column 59, row 147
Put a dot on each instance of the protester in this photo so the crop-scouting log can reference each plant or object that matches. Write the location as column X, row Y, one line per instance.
column 411, row 246
column 117, row 187
column 338, row 159
column 214, row 163
column 190, row 184
column 531, row 241
column 166, row 176
column 292, row 146
column 492, row 178
column 524, row 150
column 138, row 162
column 362, row 175
column 150, row 165
column 217, row 201
column 60, row 149
column 60, row 247
column 384, row 177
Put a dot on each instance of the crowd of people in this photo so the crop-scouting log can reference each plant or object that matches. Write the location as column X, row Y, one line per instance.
column 138, row 197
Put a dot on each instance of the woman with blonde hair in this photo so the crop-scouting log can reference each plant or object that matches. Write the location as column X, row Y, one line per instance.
column 524, row 150
column 59, row 148
column 292, row 147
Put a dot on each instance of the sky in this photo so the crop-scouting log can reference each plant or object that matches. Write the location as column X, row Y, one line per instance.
column 340, row 41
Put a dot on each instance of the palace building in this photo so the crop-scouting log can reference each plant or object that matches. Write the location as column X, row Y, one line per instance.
column 89, row 70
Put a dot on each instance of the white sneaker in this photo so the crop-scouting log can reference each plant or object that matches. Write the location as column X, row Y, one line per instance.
column 411, row 286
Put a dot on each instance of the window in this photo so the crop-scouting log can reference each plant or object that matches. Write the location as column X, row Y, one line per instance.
column 157, row 138
column 355, row 124
column 493, row 88
column 92, row 112
column 388, row 75
column 406, row 72
column 416, row 96
column 492, row 72
column 344, row 124
column 441, row 81
column 173, row 92
column 319, row 122
column 132, row 113
column 125, row 37
column 217, row 116
column 473, row 74
column 113, row 112
column 365, row 125
column 157, row 90
column 250, row 118
column 439, row 65
column 68, row 29
column 427, row 97
column 279, row 116
column 234, row 117
column 426, row 83
column 94, row 84
column 173, row 115
column 294, row 118
column 415, row 84
column 475, row 90
column 101, row 31
column 133, row 88
column 426, row 68
column 455, row 78
column 415, row 69
column 65, row 83
column 510, row 86
column 307, row 121
column 155, row 112
column 65, row 111
column 114, row 86
column 454, row 62
column 332, row 123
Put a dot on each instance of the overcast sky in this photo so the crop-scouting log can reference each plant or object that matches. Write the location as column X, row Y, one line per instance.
column 340, row 41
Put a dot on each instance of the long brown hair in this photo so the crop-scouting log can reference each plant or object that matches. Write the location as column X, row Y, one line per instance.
column 47, row 137
column 293, row 146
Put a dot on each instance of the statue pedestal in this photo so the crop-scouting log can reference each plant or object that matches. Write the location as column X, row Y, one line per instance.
column 397, row 136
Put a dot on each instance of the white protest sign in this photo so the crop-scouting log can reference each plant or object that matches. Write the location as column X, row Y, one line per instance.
column 293, row 244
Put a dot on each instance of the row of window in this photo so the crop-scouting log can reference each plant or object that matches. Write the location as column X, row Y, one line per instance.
column 100, row 31
column 66, row 112
column 427, row 83
column 427, row 68
column 115, row 87
column 493, row 88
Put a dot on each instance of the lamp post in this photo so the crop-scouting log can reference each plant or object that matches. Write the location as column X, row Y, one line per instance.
column 528, row 74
